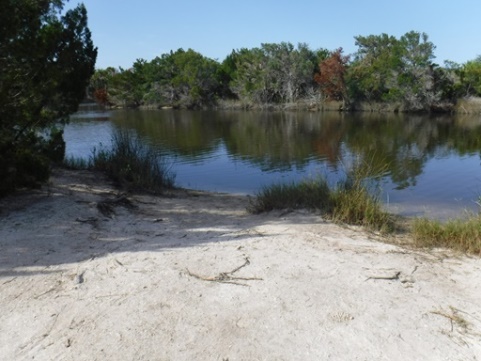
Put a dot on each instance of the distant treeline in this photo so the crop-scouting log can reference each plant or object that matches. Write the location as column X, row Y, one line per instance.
column 385, row 73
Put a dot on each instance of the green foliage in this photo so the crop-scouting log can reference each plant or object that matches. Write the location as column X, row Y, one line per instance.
column 55, row 146
column 127, row 87
column 370, row 72
column 28, row 163
column 249, row 82
column 131, row 164
column 181, row 79
column 398, row 73
column 195, row 82
column 46, row 62
column 446, row 83
column 274, row 73
column 393, row 70
column 470, row 78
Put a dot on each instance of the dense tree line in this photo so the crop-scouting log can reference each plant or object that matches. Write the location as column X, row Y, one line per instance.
column 273, row 73
column 397, row 73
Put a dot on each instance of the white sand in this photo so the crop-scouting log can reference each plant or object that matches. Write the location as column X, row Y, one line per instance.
column 195, row 277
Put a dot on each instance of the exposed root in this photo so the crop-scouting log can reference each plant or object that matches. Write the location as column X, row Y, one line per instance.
column 106, row 207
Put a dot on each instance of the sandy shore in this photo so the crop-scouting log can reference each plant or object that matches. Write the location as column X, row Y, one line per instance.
column 86, row 274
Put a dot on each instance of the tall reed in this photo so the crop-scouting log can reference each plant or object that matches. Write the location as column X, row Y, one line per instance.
column 131, row 163
column 310, row 193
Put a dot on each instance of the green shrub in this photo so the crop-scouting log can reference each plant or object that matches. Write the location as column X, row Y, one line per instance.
column 25, row 163
column 20, row 168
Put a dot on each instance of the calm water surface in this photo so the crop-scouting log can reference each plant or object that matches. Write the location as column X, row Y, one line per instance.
column 428, row 165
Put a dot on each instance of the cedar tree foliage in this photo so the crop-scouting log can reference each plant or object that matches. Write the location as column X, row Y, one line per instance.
column 46, row 60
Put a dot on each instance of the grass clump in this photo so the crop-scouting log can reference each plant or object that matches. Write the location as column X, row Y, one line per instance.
column 355, row 204
column 131, row 163
column 310, row 194
column 351, row 201
column 77, row 163
column 460, row 235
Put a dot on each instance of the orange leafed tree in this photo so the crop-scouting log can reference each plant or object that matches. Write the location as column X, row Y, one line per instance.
column 331, row 76
column 101, row 96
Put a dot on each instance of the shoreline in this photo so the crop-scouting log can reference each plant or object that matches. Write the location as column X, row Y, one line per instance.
column 463, row 106
column 88, row 273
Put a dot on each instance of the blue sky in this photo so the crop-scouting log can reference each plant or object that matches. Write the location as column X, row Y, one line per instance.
column 125, row 30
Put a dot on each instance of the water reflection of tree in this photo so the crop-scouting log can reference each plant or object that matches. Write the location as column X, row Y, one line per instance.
column 401, row 143
column 406, row 142
column 275, row 141
column 185, row 133
column 328, row 142
column 394, row 144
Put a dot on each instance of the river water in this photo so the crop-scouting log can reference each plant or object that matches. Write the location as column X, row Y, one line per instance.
column 427, row 165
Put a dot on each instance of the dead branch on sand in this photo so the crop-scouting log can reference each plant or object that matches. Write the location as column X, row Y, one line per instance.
column 227, row 277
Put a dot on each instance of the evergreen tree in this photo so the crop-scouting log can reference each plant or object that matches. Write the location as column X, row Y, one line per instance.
column 46, row 61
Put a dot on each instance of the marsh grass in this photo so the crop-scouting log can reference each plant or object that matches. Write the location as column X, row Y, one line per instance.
column 460, row 235
column 354, row 200
column 471, row 105
column 357, row 206
column 130, row 163
column 76, row 163
column 311, row 194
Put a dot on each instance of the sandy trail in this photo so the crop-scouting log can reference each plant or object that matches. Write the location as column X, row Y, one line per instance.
column 195, row 277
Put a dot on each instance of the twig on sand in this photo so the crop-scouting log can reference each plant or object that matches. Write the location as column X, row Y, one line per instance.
column 227, row 277
column 10, row 280
column 453, row 317
column 393, row 277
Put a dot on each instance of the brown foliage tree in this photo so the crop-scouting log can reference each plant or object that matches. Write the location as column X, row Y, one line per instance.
column 331, row 76
column 101, row 96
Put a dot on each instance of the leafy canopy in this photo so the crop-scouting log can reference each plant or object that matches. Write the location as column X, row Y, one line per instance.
column 387, row 69
column 46, row 61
